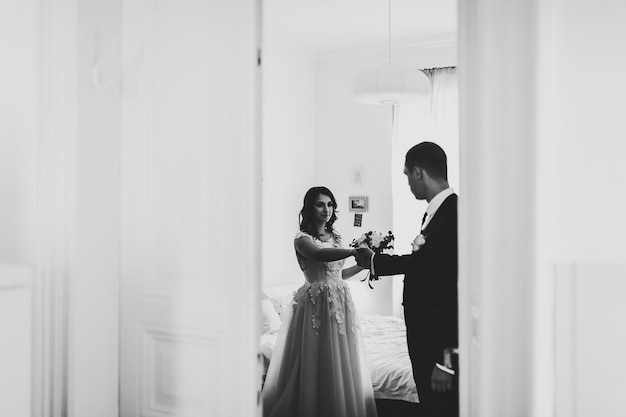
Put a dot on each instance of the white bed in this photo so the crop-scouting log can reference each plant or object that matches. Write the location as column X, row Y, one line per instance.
column 388, row 358
column 384, row 338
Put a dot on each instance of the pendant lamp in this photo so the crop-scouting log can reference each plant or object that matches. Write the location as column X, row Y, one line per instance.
column 390, row 83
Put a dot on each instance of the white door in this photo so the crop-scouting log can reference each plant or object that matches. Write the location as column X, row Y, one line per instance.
column 190, row 208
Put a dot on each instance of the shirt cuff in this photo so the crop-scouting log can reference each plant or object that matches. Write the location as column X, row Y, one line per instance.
column 445, row 368
column 372, row 264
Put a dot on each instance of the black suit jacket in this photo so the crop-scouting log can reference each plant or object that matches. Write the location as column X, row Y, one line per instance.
column 430, row 285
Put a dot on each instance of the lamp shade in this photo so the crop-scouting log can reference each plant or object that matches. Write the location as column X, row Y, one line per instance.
column 391, row 84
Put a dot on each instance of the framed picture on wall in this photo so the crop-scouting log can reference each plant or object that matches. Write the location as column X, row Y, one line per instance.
column 358, row 204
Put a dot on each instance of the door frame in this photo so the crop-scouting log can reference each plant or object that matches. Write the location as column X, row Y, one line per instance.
column 501, row 284
column 54, row 211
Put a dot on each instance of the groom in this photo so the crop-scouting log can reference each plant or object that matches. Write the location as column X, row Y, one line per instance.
column 430, row 282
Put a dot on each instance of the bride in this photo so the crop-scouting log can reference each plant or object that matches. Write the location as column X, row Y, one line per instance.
column 318, row 366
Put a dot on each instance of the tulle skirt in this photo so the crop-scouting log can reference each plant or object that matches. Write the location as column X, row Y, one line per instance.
column 318, row 367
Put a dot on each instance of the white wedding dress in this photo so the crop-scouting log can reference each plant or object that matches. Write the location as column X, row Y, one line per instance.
column 318, row 367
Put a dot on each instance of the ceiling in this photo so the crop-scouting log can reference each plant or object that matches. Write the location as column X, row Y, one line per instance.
column 339, row 25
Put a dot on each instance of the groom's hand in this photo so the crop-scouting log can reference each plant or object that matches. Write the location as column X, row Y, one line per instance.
column 363, row 257
column 440, row 381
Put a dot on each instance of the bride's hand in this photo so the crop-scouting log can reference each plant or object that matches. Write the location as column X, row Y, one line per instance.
column 363, row 257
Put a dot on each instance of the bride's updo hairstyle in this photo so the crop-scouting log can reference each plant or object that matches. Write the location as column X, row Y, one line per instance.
column 307, row 212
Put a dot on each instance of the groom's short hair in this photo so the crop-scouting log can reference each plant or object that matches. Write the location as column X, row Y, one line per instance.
column 430, row 157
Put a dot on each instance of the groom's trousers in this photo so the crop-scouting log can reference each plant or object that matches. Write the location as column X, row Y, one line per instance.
column 432, row 403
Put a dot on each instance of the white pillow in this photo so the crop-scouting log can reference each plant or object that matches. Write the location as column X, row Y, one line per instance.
column 281, row 295
column 271, row 320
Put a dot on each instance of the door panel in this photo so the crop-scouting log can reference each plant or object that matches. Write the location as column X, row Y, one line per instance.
column 190, row 199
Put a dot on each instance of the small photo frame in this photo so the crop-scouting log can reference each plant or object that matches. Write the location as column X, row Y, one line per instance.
column 358, row 204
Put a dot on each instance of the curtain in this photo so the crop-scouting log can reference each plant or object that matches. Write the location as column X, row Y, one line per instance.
column 435, row 120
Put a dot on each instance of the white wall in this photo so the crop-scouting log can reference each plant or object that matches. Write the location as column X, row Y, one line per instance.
column 541, row 219
column 288, row 126
column 589, row 173
column 581, row 204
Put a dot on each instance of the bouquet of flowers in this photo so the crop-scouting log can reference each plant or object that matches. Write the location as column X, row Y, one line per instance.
column 377, row 243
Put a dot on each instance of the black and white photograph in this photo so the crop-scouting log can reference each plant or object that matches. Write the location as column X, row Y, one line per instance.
column 279, row 208
column 358, row 204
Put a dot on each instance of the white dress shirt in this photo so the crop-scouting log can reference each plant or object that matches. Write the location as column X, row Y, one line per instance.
column 435, row 203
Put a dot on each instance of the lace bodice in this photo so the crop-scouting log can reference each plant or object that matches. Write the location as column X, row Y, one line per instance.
column 315, row 271
column 324, row 278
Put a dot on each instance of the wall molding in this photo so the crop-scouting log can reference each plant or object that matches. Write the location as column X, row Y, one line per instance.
column 185, row 356
column 564, row 349
column 55, row 182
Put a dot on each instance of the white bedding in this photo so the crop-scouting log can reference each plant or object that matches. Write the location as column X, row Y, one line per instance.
column 387, row 356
